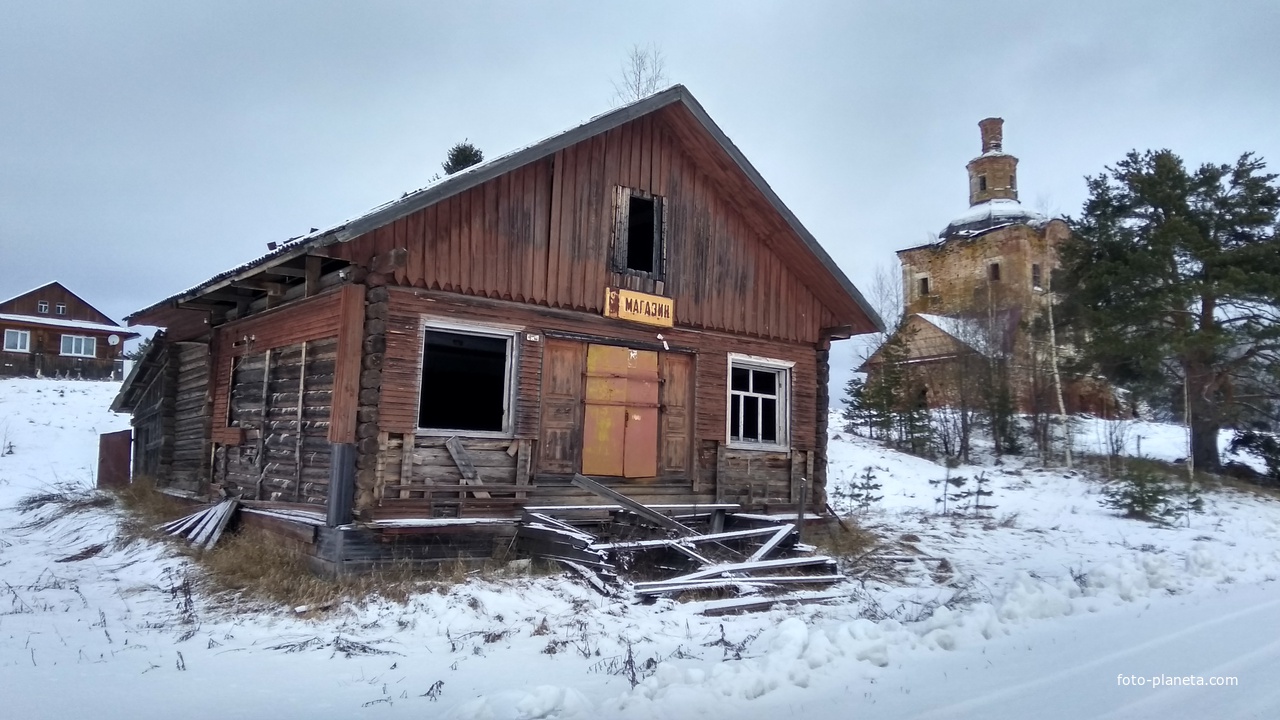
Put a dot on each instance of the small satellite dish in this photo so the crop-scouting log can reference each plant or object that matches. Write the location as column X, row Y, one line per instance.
column 113, row 340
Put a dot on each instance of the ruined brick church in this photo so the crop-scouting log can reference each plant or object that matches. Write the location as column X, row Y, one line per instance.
column 980, row 289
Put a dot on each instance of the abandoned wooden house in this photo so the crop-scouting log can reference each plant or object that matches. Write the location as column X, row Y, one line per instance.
column 52, row 332
column 628, row 300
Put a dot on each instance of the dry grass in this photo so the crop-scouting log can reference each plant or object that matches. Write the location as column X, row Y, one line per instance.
column 845, row 543
column 1177, row 472
column 145, row 508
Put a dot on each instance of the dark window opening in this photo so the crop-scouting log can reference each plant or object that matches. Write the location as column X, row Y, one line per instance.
column 924, row 286
column 982, row 182
column 1013, row 181
column 463, row 382
column 1035, row 275
column 641, row 235
column 993, row 272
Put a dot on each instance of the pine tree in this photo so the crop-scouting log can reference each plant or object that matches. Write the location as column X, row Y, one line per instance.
column 855, row 413
column 462, row 156
column 864, row 490
column 1172, row 277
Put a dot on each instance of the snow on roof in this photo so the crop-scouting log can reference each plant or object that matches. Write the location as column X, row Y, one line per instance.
column 28, row 292
column 993, row 213
column 74, row 324
column 966, row 330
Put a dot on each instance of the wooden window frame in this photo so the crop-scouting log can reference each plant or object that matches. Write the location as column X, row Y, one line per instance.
column 621, row 217
column 510, row 377
column 1037, row 276
column 92, row 342
column 24, row 335
column 783, row 369
column 60, row 309
column 42, row 306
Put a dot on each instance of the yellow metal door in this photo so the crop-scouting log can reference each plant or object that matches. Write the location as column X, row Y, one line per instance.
column 620, row 423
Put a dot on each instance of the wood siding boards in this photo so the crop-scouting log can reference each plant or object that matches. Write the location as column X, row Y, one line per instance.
column 346, row 378
column 542, row 234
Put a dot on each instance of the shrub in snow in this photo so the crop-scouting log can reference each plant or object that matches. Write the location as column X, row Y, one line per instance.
column 1143, row 495
column 861, row 495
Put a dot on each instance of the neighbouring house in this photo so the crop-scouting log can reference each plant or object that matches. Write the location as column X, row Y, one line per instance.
column 628, row 300
column 52, row 332
column 982, row 287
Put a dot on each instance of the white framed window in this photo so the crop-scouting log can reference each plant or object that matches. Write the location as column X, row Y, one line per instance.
column 42, row 306
column 759, row 402
column 17, row 341
column 467, row 379
column 60, row 309
column 79, row 346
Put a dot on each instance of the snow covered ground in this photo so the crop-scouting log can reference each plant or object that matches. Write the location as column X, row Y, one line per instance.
column 1035, row 613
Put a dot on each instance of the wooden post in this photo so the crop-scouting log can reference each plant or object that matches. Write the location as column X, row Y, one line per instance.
column 524, row 459
column 260, row 459
column 297, row 447
column 804, row 489
column 342, row 483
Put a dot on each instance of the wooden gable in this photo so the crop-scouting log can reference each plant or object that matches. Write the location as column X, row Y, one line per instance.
column 545, row 233
column 54, row 294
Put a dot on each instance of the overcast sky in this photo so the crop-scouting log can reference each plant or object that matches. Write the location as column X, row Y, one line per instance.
column 145, row 146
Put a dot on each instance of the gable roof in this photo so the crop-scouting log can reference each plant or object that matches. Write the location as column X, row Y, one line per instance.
column 477, row 174
column 64, row 289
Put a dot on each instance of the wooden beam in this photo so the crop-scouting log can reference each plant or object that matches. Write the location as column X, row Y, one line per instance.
column 271, row 288
column 297, row 448
column 772, row 543
column 346, row 373
column 311, row 275
column 462, row 459
column 640, row 509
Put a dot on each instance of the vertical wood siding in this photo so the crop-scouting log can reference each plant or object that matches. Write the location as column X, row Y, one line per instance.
column 543, row 234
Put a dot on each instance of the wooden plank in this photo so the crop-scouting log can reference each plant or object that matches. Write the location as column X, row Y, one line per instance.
column 772, row 543
column 524, row 460
column 638, row 508
column 666, row 587
column 724, row 607
column 222, row 524
column 297, row 448
column 465, row 466
column 697, row 539
column 747, row 567
column 346, row 373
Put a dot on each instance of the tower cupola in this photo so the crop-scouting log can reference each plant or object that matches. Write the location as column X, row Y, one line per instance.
column 993, row 175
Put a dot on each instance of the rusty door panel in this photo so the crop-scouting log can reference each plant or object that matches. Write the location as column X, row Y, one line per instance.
column 604, row 436
column 640, row 458
column 113, row 459
column 620, row 426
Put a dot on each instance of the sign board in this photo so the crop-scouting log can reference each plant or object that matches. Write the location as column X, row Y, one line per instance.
column 639, row 307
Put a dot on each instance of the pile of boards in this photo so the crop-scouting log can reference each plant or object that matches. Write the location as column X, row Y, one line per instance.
column 203, row 527
column 755, row 568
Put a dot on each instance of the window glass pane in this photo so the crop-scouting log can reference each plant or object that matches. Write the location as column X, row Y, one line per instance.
column 735, row 432
column 750, row 418
column 463, row 382
column 769, row 420
column 67, row 344
column 741, row 379
column 764, row 382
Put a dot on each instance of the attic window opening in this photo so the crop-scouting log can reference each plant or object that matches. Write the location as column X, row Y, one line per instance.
column 638, row 243
column 466, row 382
column 993, row 272
column 924, row 287
column 42, row 306
column 60, row 309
